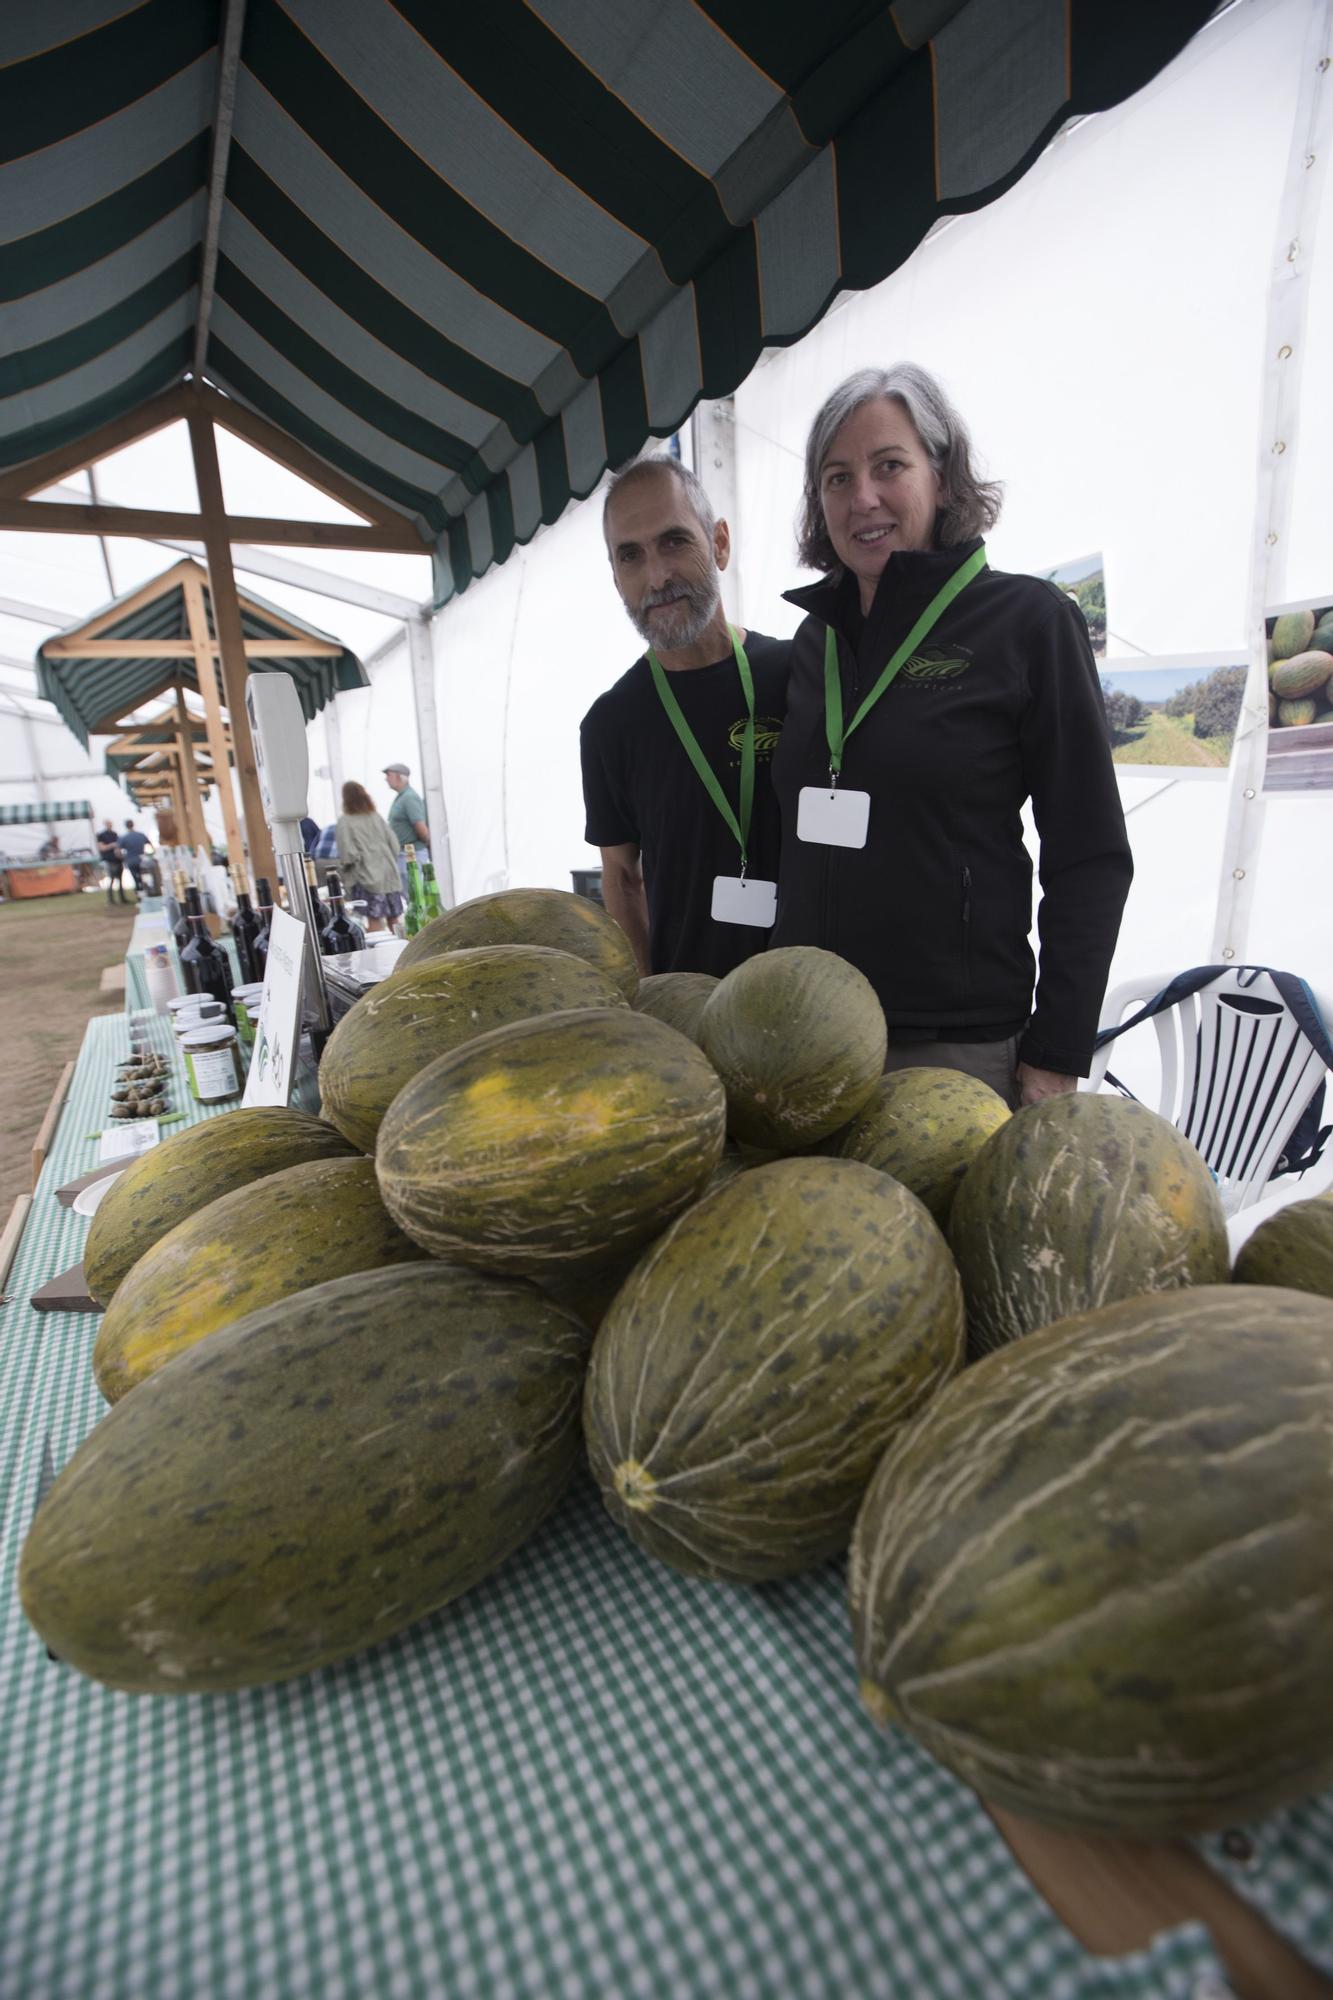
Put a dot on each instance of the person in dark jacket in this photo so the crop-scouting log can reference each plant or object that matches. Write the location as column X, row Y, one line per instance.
column 991, row 700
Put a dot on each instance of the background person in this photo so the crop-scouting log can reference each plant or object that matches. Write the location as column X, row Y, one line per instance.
column 134, row 845
column 662, row 837
column 407, row 818
column 998, row 702
column 369, row 855
column 108, row 848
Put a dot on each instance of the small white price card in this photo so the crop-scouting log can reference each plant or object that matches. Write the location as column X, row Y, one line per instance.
column 273, row 1061
column 130, row 1136
column 744, row 900
column 830, row 818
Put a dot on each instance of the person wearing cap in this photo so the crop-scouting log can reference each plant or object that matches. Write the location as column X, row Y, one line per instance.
column 407, row 817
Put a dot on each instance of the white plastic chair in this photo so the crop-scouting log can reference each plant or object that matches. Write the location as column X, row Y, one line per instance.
column 1236, row 1075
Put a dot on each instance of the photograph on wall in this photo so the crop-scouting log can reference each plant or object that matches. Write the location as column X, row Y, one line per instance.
column 1085, row 581
column 1177, row 714
column 1300, row 697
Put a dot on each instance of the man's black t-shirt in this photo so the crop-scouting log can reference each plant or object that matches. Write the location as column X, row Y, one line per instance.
column 641, row 790
column 108, row 840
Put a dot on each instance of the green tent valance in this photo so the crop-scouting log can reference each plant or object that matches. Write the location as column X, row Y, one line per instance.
column 45, row 812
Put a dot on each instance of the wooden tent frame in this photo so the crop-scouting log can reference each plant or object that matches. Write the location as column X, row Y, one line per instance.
column 226, row 657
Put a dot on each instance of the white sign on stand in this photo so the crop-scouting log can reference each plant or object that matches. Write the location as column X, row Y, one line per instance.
column 273, row 1061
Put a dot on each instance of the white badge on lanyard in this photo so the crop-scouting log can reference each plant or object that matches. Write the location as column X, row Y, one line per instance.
column 743, row 899
column 828, row 817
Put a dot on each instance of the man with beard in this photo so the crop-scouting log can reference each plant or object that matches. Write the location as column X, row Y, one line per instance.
column 677, row 754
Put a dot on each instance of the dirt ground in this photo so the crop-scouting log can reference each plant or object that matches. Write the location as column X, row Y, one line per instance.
column 52, row 953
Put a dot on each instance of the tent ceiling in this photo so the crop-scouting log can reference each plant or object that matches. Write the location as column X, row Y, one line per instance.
column 471, row 256
column 92, row 691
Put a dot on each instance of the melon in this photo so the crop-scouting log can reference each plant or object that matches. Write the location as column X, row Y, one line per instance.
column 1291, row 633
column 1295, row 714
column 405, row 1022
column 551, row 917
column 757, row 1360
column 678, row 998
column 260, row 1243
column 798, row 1037
column 925, row 1127
column 185, row 1173
column 1302, row 674
column 1093, row 1577
column 1293, row 1248
column 1077, row 1201
column 1322, row 636
column 555, row 1145
column 318, row 1476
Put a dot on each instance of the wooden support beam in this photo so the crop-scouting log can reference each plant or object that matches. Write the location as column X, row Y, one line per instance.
column 189, row 776
column 58, row 517
column 206, row 670
column 227, row 622
column 184, row 649
column 152, row 416
column 276, row 444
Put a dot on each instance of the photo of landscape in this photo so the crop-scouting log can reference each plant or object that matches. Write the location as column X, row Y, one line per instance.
column 1085, row 579
column 1181, row 717
column 1300, row 698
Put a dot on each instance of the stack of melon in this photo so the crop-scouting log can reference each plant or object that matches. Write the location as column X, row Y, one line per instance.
column 1300, row 669
column 690, row 1230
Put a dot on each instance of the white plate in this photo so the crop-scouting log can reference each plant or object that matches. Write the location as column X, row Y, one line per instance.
column 86, row 1200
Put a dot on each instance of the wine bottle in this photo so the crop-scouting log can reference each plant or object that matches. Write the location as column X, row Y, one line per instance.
column 180, row 929
column 430, row 890
column 191, row 907
column 415, row 915
column 244, row 926
column 317, row 904
column 343, row 932
column 203, row 965
column 264, row 912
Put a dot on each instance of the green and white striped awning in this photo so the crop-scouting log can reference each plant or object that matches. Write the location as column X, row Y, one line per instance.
column 45, row 812
column 473, row 254
column 92, row 691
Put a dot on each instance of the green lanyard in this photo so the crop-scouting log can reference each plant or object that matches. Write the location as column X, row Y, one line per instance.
column 741, row 827
column 934, row 611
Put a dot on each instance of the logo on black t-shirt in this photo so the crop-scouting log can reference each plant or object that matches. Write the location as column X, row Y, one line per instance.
column 767, row 730
column 936, row 663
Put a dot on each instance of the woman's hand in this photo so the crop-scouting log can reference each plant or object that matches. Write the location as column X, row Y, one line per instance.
column 1035, row 1084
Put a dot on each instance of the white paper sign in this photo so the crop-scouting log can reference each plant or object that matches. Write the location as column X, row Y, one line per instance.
column 273, row 1061
column 130, row 1136
column 830, row 818
column 744, row 902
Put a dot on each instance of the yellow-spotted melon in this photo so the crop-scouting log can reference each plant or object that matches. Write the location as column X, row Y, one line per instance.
column 798, row 1037
column 678, row 998
column 311, row 1480
column 1093, row 1578
column 925, row 1127
column 553, row 1146
column 437, row 1005
column 551, row 917
column 1296, row 714
column 187, row 1172
column 1077, row 1201
column 1291, row 633
column 249, row 1248
column 758, row 1359
column 1302, row 674
column 1293, row 1247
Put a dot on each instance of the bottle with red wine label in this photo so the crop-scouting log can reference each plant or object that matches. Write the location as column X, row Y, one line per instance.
column 244, row 928
column 343, row 932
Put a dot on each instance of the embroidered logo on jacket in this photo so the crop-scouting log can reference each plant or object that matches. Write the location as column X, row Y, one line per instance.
column 933, row 663
column 767, row 730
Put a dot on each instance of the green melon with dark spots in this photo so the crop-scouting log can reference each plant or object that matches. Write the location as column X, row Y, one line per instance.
column 1291, row 633
column 758, row 1359
column 185, row 1173
column 554, row 1146
column 1292, row 1248
column 1304, row 673
column 798, row 1037
column 313, row 1479
column 678, row 998
column 551, row 917
column 1296, row 714
column 925, row 1127
column 248, row 1249
column 1321, row 639
column 435, row 1006
column 1075, row 1202
column 1093, row 1578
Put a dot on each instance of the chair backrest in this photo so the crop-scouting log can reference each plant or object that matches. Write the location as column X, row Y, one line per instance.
column 1237, row 1072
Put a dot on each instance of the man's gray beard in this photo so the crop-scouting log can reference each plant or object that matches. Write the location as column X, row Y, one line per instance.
column 688, row 620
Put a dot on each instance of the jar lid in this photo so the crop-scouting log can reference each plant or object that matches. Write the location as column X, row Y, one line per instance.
column 211, row 1035
column 179, row 1000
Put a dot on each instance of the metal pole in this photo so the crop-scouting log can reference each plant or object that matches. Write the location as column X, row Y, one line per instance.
column 422, row 659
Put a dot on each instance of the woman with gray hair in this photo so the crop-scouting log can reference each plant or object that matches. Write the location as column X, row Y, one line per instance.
column 930, row 698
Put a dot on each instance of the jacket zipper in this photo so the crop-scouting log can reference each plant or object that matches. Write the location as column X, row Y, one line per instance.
column 967, row 927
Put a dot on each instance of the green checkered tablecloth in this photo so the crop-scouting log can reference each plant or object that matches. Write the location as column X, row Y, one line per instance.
column 590, row 1777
